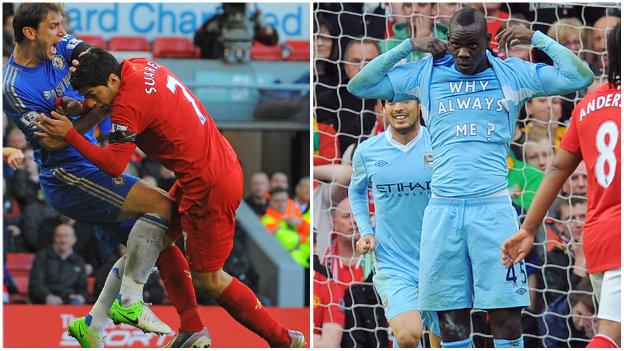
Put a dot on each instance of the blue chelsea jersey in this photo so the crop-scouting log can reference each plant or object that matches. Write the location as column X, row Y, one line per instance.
column 28, row 91
column 399, row 176
column 471, row 129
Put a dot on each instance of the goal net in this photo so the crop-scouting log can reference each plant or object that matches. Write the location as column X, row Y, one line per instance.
column 563, row 308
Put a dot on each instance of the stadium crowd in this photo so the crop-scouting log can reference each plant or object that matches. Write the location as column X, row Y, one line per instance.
column 347, row 311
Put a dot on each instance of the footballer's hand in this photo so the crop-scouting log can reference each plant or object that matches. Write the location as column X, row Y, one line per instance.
column 514, row 35
column 55, row 127
column 366, row 244
column 68, row 106
column 76, row 63
column 435, row 46
column 517, row 247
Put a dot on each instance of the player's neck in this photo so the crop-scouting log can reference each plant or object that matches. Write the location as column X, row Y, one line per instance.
column 404, row 137
column 25, row 56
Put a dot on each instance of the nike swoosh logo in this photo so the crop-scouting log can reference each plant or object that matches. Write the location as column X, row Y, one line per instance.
column 81, row 333
column 133, row 321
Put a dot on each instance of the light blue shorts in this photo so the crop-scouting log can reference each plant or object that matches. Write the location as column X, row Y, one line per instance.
column 460, row 257
column 399, row 294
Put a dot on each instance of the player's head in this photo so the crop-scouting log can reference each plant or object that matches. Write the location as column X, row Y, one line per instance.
column 279, row 199
column 98, row 77
column 613, row 55
column 468, row 40
column 403, row 116
column 39, row 27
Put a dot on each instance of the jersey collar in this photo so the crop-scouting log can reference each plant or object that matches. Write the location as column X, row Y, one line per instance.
column 407, row 147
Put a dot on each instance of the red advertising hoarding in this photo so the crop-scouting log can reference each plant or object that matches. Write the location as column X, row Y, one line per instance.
column 46, row 326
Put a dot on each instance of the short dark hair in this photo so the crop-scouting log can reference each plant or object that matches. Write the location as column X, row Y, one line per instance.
column 361, row 41
column 613, row 53
column 278, row 190
column 96, row 65
column 573, row 201
column 30, row 15
column 582, row 293
column 468, row 16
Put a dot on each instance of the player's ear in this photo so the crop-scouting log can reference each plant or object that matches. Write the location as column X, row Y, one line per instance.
column 113, row 80
column 29, row 32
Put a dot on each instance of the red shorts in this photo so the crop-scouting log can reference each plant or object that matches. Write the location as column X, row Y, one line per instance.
column 208, row 219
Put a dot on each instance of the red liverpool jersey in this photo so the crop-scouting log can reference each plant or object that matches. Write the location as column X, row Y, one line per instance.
column 594, row 133
column 171, row 125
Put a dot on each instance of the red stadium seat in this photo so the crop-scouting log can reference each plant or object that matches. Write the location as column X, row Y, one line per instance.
column 174, row 47
column 128, row 43
column 300, row 50
column 266, row 53
column 19, row 262
column 21, row 282
column 95, row 40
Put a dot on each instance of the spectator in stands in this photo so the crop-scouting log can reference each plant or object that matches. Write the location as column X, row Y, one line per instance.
column 569, row 32
column 210, row 37
column 58, row 274
column 352, row 117
column 25, row 182
column 11, row 215
column 15, row 138
column 363, row 326
column 420, row 25
column 544, row 115
column 325, row 54
column 569, row 320
column 8, row 42
column 279, row 180
column 539, row 153
column 329, row 317
column 302, row 195
column 598, row 38
column 523, row 181
column 287, row 226
column 565, row 260
column 38, row 222
column 576, row 185
column 257, row 200
column 445, row 10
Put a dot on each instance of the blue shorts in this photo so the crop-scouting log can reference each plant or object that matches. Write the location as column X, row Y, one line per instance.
column 399, row 294
column 84, row 193
column 460, row 257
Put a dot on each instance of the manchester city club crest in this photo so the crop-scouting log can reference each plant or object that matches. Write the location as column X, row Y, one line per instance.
column 118, row 180
column 58, row 62
column 428, row 159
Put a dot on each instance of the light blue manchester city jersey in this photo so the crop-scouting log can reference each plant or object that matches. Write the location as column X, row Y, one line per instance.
column 400, row 178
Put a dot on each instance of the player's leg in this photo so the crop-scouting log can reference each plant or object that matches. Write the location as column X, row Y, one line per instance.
column 399, row 296
column 445, row 281
column 607, row 288
column 85, row 193
column 175, row 274
column 210, row 232
column 455, row 328
column 502, row 292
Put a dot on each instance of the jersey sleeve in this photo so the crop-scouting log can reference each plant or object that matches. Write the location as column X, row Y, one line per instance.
column 358, row 194
column 127, row 121
column 570, row 141
column 66, row 47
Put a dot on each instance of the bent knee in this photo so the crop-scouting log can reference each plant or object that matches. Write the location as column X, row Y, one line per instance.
column 211, row 282
column 410, row 337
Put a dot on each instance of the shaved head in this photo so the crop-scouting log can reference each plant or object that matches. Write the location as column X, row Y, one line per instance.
column 469, row 40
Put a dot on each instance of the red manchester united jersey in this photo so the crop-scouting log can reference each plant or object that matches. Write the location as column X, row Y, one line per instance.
column 168, row 123
column 594, row 133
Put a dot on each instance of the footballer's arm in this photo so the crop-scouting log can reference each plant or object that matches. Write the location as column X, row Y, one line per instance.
column 112, row 160
column 519, row 245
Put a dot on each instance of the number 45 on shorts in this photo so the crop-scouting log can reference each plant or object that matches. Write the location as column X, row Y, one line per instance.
column 511, row 273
